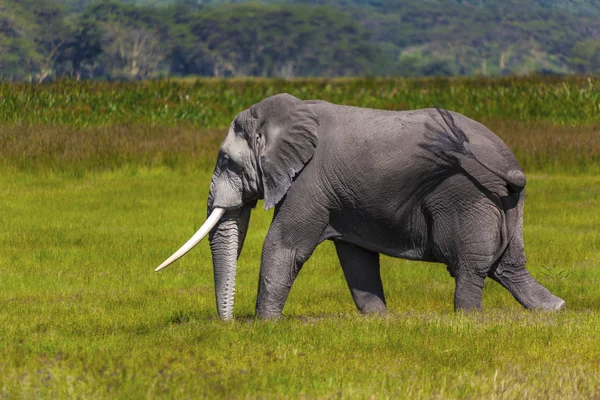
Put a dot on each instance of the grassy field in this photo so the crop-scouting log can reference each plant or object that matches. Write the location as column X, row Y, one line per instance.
column 212, row 102
column 88, row 210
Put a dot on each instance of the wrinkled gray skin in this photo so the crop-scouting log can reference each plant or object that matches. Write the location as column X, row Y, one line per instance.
column 421, row 185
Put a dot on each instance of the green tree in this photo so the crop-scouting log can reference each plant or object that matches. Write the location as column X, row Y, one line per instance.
column 585, row 56
column 84, row 48
column 284, row 41
column 133, row 40
column 188, row 55
column 50, row 36
column 16, row 45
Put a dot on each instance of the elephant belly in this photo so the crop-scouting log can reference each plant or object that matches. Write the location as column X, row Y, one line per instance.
column 405, row 239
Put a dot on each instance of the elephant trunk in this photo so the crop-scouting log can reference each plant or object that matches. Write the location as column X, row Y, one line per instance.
column 226, row 242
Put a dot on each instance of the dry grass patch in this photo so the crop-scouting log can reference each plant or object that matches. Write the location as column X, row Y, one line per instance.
column 56, row 148
column 539, row 146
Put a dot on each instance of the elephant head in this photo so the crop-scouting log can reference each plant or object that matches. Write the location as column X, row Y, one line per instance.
column 265, row 147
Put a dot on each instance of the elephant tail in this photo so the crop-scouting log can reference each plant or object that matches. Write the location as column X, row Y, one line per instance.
column 457, row 141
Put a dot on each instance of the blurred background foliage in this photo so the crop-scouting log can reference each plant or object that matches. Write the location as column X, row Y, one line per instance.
column 140, row 39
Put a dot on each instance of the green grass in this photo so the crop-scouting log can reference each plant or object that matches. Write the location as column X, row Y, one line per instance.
column 83, row 315
column 213, row 103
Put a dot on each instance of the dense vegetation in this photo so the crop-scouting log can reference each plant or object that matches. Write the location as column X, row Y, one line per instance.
column 100, row 182
column 107, row 39
column 212, row 102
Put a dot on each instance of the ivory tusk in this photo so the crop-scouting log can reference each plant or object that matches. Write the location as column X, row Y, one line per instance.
column 211, row 221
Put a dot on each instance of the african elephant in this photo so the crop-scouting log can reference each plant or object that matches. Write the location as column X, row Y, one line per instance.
column 428, row 185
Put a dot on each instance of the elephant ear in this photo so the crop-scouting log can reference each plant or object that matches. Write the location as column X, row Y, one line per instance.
column 290, row 137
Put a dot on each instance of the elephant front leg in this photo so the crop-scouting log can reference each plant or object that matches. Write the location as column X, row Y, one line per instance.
column 361, row 269
column 278, row 271
column 291, row 240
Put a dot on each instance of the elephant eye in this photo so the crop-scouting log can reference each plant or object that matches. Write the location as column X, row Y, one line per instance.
column 231, row 162
column 260, row 129
column 226, row 159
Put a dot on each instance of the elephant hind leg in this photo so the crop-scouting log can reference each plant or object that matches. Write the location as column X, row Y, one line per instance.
column 468, row 292
column 467, row 242
column 361, row 269
column 511, row 273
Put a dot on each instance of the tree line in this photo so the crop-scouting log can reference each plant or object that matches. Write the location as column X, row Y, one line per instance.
column 107, row 39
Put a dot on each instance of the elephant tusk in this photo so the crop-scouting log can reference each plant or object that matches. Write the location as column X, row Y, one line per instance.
column 211, row 221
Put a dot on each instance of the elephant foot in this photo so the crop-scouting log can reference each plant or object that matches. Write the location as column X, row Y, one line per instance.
column 559, row 305
column 374, row 307
column 553, row 304
column 269, row 315
column 528, row 291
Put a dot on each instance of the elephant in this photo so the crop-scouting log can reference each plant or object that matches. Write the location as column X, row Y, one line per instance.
column 429, row 185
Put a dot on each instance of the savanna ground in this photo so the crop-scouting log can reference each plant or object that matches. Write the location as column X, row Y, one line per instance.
column 99, row 183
